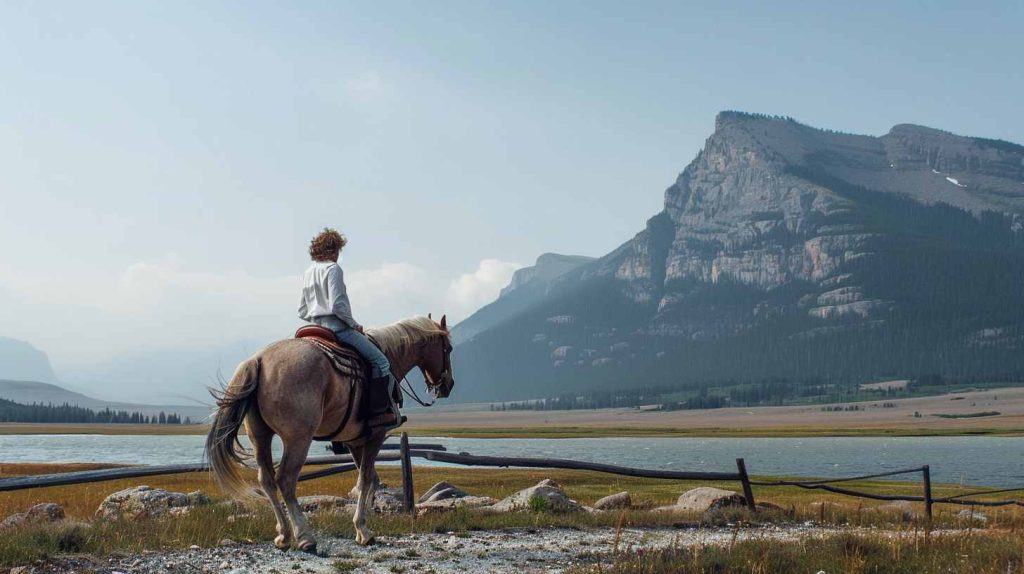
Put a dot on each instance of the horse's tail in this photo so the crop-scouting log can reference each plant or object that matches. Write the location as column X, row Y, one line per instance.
column 233, row 402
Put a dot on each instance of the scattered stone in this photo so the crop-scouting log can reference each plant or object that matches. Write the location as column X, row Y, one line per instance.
column 706, row 498
column 447, row 504
column 968, row 514
column 614, row 501
column 323, row 502
column 543, row 496
column 141, row 502
column 227, row 542
column 21, row 570
column 224, row 565
column 40, row 513
column 442, row 491
column 388, row 501
column 236, row 517
column 903, row 508
column 198, row 498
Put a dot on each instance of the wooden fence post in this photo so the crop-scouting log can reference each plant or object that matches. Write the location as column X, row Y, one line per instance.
column 748, row 493
column 926, row 473
column 407, row 488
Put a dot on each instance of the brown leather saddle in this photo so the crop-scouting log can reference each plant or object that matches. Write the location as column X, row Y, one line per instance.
column 347, row 361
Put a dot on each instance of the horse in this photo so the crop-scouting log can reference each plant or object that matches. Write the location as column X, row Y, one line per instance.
column 291, row 389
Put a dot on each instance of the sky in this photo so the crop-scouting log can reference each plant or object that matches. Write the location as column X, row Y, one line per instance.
column 163, row 165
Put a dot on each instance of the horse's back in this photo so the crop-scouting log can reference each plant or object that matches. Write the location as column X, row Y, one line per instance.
column 294, row 379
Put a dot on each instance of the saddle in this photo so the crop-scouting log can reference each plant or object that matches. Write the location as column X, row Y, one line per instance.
column 350, row 363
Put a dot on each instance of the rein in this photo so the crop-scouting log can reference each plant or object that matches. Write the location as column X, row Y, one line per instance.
column 411, row 392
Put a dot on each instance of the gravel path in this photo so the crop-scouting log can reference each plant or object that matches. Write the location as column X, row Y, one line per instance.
column 519, row 551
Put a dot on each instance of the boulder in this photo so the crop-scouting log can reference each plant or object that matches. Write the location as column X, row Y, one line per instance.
column 142, row 502
column 442, row 491
column 971, row 515
column 448, row 504
column 388, row 501
column 706, row 498
column 549, row 482
column 40, row 513
column 543, row 497
column 905, row 510
column 614, row 501
column 323, row 502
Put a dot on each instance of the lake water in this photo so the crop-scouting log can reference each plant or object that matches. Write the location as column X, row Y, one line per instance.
column 990, row 461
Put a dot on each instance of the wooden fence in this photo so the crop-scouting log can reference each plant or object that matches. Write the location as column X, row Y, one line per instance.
column 437, row 453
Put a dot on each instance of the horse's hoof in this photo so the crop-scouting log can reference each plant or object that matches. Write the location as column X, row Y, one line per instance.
column 308, row 546
column 364, row 539
column 282, row 543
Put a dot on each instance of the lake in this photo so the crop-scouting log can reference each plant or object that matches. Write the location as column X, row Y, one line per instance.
column 990, row 461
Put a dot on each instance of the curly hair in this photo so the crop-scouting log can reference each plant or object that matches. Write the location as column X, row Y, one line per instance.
column 326, row 244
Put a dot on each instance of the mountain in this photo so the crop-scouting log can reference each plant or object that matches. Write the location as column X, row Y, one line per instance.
column 789, row 253
column 28, row 392
column 20, row 360
column 528, row 285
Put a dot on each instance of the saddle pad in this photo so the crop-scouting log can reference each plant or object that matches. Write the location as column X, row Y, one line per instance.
column 345, row 360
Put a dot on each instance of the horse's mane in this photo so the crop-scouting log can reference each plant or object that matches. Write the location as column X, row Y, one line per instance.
column 405, row 332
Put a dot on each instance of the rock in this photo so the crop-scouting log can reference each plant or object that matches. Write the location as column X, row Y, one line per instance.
column 441, row 491
column 543, row 497
column 224, row 565
column 447, row 504
column 21, row 570
column 321, row 502
column 968, row 514
column 388, row 501
column 141, row 502
column 904, row 509
column 226, row 542
column 706, row 498
column 40, row 513
column 620, row 500
column 198, row 498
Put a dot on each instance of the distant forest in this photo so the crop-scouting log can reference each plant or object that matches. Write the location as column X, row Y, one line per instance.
column 771, row 392
column 12, row 412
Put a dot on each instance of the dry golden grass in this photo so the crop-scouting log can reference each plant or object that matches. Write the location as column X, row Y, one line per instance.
column 81, row 501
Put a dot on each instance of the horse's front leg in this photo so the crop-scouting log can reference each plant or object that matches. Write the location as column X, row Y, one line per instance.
column 367, row 488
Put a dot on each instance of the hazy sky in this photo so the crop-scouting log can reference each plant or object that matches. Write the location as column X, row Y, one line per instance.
column 164, row 164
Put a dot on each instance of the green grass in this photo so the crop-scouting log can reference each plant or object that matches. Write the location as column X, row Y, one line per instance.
column 878, row 553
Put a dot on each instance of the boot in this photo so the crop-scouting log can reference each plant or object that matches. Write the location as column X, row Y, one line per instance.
column 382, row 408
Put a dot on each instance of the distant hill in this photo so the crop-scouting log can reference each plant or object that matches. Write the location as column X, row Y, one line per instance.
column 29, row 392
column 784, row 252
column 20, row 360
column 528, row 285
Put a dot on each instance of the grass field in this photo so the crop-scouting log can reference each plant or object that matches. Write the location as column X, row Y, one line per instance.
column 206, row 526
column 900, row 552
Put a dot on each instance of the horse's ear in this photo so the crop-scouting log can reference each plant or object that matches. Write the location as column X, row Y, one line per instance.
column 428, row 316
column 444, row 322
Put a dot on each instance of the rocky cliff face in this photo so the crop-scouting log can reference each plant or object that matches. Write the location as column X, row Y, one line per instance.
column 777, row 234
column 21, row 361
column 548, row 267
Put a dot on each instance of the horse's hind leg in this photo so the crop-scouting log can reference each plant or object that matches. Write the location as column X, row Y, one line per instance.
column 295, row 451
column 261, row 436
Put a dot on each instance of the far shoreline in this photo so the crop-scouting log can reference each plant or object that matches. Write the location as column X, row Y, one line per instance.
column 954, row 414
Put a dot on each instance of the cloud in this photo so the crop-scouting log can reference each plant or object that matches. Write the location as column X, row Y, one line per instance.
column 365, row 87
column 470, row 291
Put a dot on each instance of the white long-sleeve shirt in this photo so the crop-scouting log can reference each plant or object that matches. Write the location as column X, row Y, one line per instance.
column 324, row 297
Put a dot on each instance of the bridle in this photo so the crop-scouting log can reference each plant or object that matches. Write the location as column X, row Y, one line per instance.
column 446, row 376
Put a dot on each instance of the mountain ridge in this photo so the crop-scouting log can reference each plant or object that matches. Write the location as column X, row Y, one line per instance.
column 777, row 240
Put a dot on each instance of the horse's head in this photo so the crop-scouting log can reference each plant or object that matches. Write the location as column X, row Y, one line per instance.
column 437, row 361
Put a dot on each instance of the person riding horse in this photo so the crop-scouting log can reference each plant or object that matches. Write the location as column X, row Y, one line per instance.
column 325, row 302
